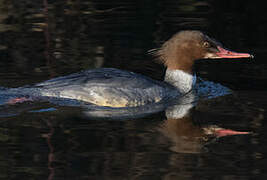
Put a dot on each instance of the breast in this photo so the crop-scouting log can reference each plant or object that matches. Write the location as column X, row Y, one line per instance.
column 108, row 87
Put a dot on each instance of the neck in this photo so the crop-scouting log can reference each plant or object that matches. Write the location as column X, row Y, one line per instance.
column 183, row 81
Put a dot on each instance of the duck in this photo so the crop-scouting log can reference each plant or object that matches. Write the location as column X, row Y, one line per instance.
column 110, row 87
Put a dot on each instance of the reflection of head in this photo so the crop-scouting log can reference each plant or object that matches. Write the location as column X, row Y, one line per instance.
column 183, row 134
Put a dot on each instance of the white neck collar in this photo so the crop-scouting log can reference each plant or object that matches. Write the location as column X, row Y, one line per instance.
column 183, row 81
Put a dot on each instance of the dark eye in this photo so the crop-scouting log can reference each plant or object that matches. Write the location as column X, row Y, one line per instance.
column 206, row 44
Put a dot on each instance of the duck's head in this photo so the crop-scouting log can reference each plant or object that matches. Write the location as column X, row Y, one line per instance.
column 184, row 48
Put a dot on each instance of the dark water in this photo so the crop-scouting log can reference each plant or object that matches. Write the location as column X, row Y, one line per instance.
column 40, row 40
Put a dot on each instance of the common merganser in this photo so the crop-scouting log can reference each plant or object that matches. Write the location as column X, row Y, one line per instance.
column 109, row 87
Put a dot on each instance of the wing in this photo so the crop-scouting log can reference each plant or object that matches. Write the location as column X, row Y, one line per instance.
column 107, row 87
column 108, row 77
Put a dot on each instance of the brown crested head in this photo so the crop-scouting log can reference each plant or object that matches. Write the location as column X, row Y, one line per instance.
column 185, row 47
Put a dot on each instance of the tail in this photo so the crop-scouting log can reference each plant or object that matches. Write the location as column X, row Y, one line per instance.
column 7, row 94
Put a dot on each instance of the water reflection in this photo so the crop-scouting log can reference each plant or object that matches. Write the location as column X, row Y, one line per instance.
column 51, row 154
column 186, row 135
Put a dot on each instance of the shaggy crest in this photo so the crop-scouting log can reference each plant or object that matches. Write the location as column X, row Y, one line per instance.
column 179, row 48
